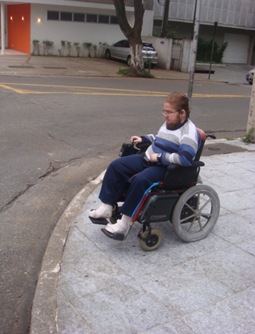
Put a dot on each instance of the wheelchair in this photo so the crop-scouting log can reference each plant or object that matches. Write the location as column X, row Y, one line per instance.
column 181, row 198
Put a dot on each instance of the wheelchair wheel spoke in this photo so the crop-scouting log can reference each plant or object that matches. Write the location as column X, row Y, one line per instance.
column 191, row 225
column 187, row 219
column 205, row 204
column 200, row 224
column 206, row 215
column 190, row 207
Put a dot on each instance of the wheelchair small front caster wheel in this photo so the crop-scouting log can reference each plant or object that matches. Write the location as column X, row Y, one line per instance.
column 149, row 241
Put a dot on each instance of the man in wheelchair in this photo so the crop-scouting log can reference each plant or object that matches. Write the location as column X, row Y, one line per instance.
column 176, row 142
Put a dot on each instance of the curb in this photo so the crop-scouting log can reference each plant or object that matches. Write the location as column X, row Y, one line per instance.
column 44, row 309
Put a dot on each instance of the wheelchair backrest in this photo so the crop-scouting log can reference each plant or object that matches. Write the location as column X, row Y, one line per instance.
column 202, row 142
column 179, row 177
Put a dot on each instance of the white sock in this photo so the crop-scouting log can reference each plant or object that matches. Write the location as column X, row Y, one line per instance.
column 126, row 220
column 122, row 225
column 104, row 211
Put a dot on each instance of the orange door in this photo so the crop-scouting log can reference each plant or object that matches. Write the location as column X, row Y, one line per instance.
column 19, row 27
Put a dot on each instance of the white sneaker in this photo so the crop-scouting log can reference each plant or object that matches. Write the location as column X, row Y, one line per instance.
column 120, row 230
column 104, row 211
column 119, row 227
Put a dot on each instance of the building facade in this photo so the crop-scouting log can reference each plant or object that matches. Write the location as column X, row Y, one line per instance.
column 63, row 26
column 71, row 27
column 235, row 21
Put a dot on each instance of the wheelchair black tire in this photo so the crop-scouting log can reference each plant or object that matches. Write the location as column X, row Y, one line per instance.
column 196, row 213
column 153, row 242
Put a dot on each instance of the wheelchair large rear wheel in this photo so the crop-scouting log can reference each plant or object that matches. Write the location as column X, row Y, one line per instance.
column 196, row 213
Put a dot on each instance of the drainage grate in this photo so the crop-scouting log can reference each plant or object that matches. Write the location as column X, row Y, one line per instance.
column 55, row 67
column 221, row 148
column 20, row 66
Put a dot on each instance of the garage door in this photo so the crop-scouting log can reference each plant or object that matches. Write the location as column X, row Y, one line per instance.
column 237, row 49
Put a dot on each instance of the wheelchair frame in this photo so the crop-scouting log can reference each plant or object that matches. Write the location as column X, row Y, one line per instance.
column 181, row 198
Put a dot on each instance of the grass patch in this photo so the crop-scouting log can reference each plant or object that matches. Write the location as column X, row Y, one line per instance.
column 128, row 72
column 249, row 138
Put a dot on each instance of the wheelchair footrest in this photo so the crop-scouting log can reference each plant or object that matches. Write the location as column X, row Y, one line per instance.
column 99, row 221
column 115, row 236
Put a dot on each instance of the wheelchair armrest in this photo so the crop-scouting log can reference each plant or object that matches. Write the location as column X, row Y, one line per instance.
column 197, row 164
column 194, row 164
column 173, row 166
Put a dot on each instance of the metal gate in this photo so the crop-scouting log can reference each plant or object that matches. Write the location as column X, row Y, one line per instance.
column 177, row 54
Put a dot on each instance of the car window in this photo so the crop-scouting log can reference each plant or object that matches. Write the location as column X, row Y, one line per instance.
column 118, row 44
column 125, row 44
column 148, row 47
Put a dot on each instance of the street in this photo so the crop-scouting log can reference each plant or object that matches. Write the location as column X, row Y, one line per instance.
column 57, row 134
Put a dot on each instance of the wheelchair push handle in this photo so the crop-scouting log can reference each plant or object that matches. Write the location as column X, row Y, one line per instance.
column 210, row 136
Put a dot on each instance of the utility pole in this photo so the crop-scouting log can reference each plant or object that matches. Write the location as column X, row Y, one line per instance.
column 213, row 40
column 250, row 131
column 193, row 53
column 165, row 19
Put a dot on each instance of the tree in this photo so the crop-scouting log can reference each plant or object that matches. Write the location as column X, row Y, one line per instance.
column 133, row 34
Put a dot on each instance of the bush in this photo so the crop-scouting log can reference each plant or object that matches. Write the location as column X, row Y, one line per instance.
column 204, row 50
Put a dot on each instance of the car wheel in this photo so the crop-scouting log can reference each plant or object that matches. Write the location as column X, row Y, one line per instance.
column 108, row 54
column 129, row 61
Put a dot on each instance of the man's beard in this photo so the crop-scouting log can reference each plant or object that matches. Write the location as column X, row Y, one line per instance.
column 174, row 126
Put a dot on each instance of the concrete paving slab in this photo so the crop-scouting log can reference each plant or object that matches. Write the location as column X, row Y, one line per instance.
column 233, row 315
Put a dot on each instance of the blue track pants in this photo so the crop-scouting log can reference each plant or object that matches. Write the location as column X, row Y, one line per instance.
column 130, row 175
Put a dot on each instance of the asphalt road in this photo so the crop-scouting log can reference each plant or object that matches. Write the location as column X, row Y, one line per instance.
column 58, row 133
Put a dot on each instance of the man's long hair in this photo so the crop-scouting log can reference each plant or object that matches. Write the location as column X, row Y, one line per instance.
column 180, row 100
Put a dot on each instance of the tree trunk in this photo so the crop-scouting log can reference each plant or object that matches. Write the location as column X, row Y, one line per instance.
column 133, row 34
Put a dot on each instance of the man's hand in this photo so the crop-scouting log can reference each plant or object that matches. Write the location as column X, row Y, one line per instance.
column 136, row 139
column 154, row 157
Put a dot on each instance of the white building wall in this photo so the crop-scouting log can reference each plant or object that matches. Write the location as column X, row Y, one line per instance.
column 164, row 50
column 80, row 32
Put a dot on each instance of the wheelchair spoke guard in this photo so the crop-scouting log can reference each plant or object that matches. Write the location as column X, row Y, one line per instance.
column 196, row 213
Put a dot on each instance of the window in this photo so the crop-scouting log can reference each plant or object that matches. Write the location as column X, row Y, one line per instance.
column 65, row 16
column 113, row 20
column 52, row 15
column 92, row 18
column 79, row 17
column 103, row 19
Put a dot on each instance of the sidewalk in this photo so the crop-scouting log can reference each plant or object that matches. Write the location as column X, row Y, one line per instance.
column 16, row 64
column 91, row 284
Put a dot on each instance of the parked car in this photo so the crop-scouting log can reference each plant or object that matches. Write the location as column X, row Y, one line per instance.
column 249, row 76
column 121, row 50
